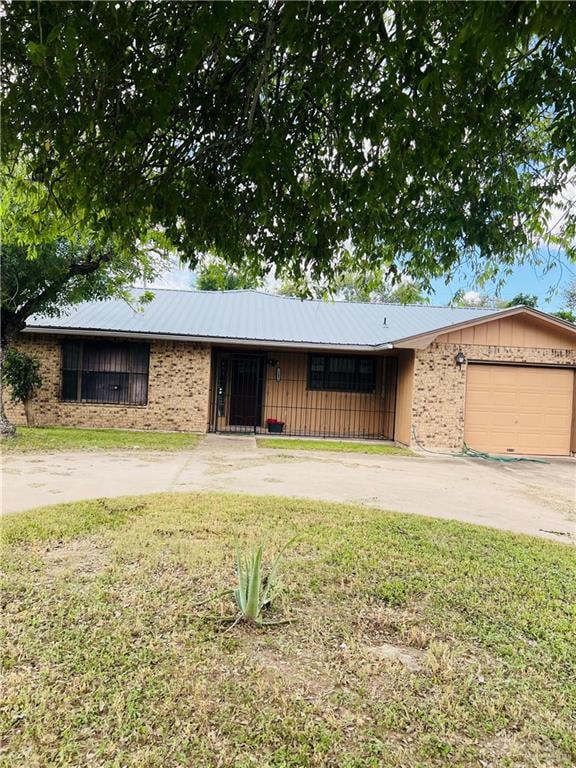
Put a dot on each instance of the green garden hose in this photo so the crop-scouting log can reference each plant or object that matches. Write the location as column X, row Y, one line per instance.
column 472, row 453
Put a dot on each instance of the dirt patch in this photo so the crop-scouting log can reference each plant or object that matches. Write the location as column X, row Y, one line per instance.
column 502, row 746
column 303, row 673
column 79, row 556
column 221, row 465
column 411, row 658
column 401, row 626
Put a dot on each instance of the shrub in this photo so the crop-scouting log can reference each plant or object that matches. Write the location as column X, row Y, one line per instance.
column 21, row 373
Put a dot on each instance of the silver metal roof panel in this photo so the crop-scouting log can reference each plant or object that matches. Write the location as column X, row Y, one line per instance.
column 256, row 316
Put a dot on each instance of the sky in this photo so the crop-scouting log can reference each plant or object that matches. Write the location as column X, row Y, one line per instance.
column 547, row 286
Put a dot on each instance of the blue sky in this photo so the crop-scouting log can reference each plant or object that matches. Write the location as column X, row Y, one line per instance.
column 548, row 286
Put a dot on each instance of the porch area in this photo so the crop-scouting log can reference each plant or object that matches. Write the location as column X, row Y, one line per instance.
column 304, row 393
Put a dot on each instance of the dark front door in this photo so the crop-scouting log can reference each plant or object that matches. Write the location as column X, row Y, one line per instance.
column 246, row 391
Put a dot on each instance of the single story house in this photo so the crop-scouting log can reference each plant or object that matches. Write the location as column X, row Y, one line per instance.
column 498, row 380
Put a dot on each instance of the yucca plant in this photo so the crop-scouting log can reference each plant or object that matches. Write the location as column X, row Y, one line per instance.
column 255, row 589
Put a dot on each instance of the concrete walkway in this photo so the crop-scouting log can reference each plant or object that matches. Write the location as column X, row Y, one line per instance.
column 538, row 499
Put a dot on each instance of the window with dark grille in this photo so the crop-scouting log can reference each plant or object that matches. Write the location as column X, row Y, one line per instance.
column 342, row 374
column 105, row 372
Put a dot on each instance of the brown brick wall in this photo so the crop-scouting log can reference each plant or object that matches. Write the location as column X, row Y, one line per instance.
column 440, row 386
column 178, row 391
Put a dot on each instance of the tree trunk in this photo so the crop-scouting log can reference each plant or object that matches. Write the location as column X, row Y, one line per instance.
column 7, row 429
column 29, row 411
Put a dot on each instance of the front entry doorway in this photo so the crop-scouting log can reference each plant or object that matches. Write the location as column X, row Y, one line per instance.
column 239, row 391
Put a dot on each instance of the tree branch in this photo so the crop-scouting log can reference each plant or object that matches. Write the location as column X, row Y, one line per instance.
column 270, row 30
column 14, row 320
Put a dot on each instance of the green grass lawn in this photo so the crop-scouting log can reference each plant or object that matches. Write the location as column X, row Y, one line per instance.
column 337, row 446
column 71, row 439
column 109, row 660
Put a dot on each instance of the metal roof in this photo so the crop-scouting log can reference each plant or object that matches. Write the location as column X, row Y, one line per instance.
column 243, row 316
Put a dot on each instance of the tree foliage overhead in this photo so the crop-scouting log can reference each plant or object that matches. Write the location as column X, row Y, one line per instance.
column 58, row 274
column 312, row 137
column 59, row 263
column 216, row 275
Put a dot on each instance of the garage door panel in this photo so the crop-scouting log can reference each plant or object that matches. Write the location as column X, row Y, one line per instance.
column 476, row 400
column 518, row 409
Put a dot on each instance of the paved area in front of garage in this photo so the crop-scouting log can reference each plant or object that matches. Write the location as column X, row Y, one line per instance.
column 538, row 499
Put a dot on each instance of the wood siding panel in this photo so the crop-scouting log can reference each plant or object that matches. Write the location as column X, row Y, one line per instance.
column 404, row 396
column 573, row 439
column 305, row 411
column 389, row 400
column 516, row 331
column 481, row 334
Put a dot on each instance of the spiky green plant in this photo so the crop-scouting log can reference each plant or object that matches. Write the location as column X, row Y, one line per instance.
column 255, row 589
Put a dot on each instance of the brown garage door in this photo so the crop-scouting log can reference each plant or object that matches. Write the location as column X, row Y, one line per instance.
column 510, row 409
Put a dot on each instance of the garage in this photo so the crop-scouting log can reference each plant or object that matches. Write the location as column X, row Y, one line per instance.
column 519, row 409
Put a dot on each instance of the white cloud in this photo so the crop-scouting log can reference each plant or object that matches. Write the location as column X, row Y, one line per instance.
column 472, row 297
column 175, row 276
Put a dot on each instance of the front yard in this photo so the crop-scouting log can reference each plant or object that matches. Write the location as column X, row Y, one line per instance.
column 414, row 642
column 29, row 440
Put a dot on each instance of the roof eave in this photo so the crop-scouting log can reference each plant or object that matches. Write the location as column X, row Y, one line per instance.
column 422, row 340
column 265, row 343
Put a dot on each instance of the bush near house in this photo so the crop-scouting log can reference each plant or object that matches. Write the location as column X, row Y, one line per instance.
column 21, row 372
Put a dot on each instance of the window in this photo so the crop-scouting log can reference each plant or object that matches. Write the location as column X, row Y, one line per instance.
column 342, row 374
column 105, row 372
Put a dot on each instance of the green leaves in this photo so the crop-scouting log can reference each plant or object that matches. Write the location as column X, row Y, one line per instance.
column 51, row 260
column 414, row 135
column 21, row 373
column 255, row 589
column 36, row 53
column 216, row 275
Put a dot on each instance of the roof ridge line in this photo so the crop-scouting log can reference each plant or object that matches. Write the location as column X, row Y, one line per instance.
column 318, row 301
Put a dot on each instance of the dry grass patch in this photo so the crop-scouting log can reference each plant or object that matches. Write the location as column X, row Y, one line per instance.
column 85, row 556
column 450, row 646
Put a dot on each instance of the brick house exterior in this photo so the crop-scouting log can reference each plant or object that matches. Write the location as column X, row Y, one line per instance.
column 438, row 405
column 178, row 391
column 418, row 394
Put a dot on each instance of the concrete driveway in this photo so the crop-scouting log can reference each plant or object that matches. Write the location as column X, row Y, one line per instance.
column 538, row 499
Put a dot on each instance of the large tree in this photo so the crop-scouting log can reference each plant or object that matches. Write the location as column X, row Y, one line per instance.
column 310, row 136
column 63, row 265
column 524, row 300
column 216, row 275
column 368, row 286
column 568, row 313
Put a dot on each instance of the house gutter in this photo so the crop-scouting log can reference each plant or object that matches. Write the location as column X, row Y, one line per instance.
column 220, row 340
